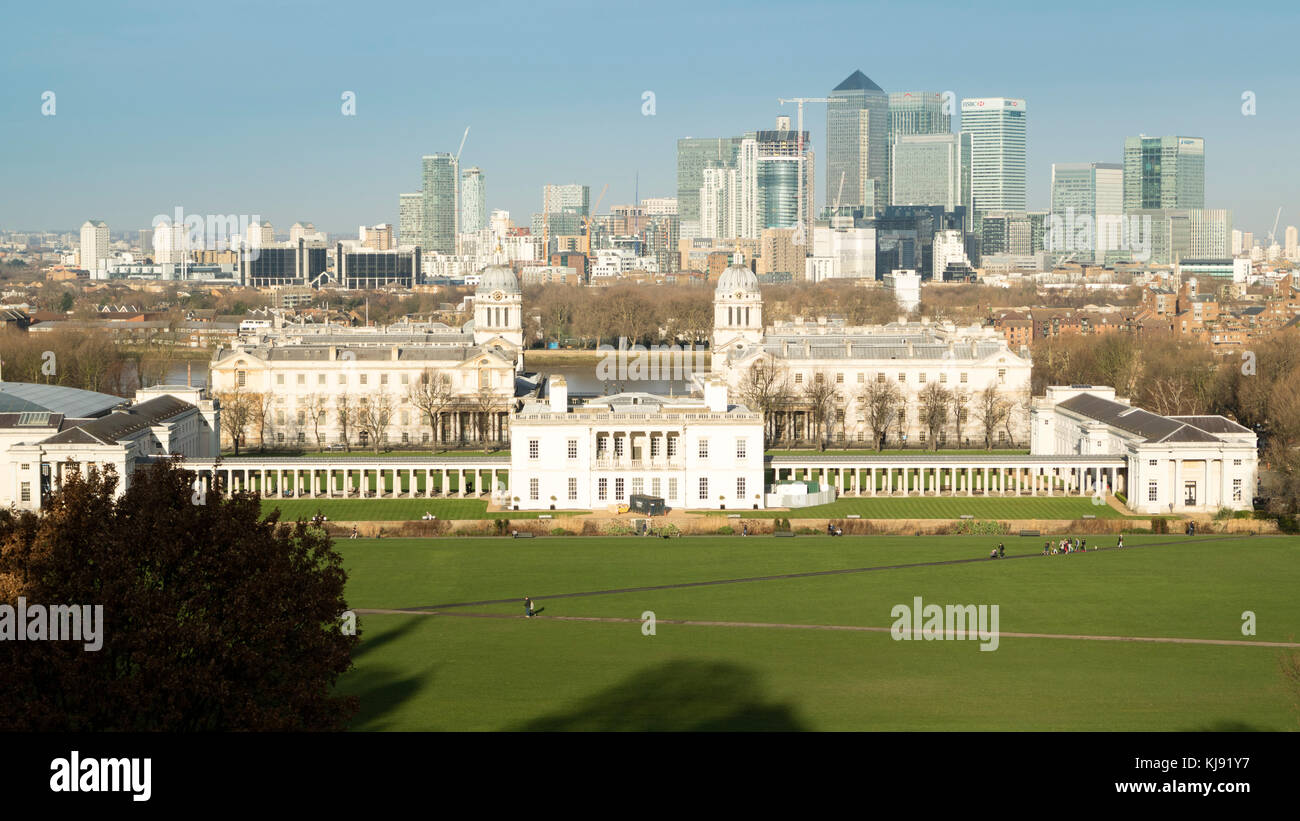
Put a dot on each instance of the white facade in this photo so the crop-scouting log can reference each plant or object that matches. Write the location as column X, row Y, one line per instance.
column 692, row 453
column 854, row 248
column 906, row 286
column 1175, row 464
column 94, row 245
column 949, row 247
column 998, row 145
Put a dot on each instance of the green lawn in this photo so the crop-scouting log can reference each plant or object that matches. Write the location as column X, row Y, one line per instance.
column 942, row 507
column 394, row 510
column 416, row 672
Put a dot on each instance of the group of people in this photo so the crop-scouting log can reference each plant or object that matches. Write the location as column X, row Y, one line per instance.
column 999, row 552
column 1067, row 545
column 832, row 530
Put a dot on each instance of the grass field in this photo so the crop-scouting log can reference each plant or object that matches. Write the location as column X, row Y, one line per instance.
column 479, row 667
column 943, row 507
column 393, row 510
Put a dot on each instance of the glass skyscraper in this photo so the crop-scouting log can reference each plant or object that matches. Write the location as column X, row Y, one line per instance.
column 998, row 136
column 1164, row 172
column 857, row 143
column 694, row 154
column 410, row 219
column 473, row 201
column 926, row 170
column 441, row 215
column 1086, row 190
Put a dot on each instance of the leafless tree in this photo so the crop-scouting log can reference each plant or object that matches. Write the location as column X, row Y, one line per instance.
column 932, row 407
column 432, row 393
column 347, row 411
column 879, row 402
column 236, row 412
column 486, row 401
column 960, row 400
column 315, row 404
column 991, row 411
column 373, row 415
column 765, row 387
column 820, row 397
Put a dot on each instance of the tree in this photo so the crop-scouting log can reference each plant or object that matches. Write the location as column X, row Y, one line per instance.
column 236, row 412
column 432, row 393
column 960, row 400
column 213, row 619
column 347, row 412
column 485, row 402
column 66, row 302
column 880, row 402
column 261, row 405
column 765, row 387
column 991, row 410
column 373, row 415
column 316, row 405
column 933, row 410
column 820, row 398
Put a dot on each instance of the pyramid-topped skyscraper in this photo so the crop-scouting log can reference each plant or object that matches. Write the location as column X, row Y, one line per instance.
column 857, row 143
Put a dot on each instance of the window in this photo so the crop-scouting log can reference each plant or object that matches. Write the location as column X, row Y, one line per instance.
column 25, row 492
column 704, row 449
column 302, row 437
column 279, row 379
column 902, row 417
column 365, row 377
column 1151, row 462
column 602, row 489
column 963, row 379
column 618, row 488
column 1152, row 493
column 672, row 446
column 533, row 449
column 302, row 379
column 618, row 445
column 656, row 486
column 638, row 486
column 862, row 377
column 654, row 446
column 921, row 378
column 302, row 417
column 740, row 448
column 279, row 437
column 343, row 379
column 406, row 379
column 798, row 379
column 839, row 379
column 880, row 378
column 573, row 488
column 406, row 438
column 922, row 434
column 740, row 489
column 704, row 488
column 943, row 379
column 533, row 488
column 672, row 488
column 241, row 377
column 1236, row 463
column 279, row 417
column 1002, row 376
column 320, row 379
column 383, row 379
column 902, row 377
column 424, row 438
column 1236, row 490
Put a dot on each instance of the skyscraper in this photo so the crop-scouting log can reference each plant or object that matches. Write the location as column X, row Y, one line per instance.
column 857, row 143
column 926, row 170
column 410, row 219
column 918, row 112
column 1164, row 172
column 94, row 244
column 1292, row 242
column 694, row 154
column 1087, row 204
column 441, row 213
column 998, row 137
column 473, row 201
column 779, row 170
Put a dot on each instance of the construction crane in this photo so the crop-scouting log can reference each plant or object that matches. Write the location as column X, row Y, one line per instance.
column 1272, row 235
column 462, row 146
column 587, row 220
column 801, row 231
column 839, row 193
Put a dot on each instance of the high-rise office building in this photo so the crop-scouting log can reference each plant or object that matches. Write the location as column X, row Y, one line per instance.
column 410, row 219
column 441, row 213
column 918, row 112
column 998, row 140
column 926, row 170
column 94, row 244
column 145, row 241
column 1210, row 233
column 694, row 154
column 857, row 143
column 473, row 201
column 778, row 173
column 1164, row 172
column 1292, row 242
column 1087, row 205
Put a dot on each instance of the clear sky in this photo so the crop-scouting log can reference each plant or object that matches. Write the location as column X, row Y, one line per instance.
column 235, row 107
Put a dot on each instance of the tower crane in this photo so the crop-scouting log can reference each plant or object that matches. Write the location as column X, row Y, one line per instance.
column 1272, row 235
column 586, row 221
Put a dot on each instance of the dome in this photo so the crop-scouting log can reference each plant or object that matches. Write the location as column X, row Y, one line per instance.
column 498, row 278
column 738, row 279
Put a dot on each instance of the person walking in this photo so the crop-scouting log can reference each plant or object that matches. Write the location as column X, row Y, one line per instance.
column 528, row 608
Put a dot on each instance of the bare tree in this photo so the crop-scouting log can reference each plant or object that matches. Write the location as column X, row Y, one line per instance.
column 932, row 407
column 763, row 388
column 315, row 405
column 486, row 401
column 991, row 410
column 432, row 393
column 373, row 415
column 880, row 402
column 347, row 411
column 820, row 397
column 960, row 400
column 236, row 412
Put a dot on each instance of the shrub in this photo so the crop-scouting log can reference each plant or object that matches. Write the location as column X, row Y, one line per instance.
column 1159, row 525
column 559, row 531
column 972, row 527
column 807, row 531
column 726, row 530
column 1222, row 513
column 668, row 529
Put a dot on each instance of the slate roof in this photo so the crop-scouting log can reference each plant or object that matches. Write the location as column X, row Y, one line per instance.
column 121, row 424
column 1150, row 426
column 19, row 397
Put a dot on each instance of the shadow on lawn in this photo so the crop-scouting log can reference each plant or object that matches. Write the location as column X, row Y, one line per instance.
column 681, row 696
column 381, row 689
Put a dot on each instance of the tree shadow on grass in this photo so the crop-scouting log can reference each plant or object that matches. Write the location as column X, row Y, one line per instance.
column 382, row 688
column 681, row 696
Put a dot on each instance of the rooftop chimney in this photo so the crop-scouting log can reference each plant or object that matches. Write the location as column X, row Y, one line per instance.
column 559, row 393
column 715, row 395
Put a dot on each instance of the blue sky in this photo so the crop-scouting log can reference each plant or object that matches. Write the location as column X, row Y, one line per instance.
column 234, row 107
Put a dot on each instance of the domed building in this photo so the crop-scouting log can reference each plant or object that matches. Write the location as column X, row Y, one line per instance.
column 737, row 310
column 498, row 307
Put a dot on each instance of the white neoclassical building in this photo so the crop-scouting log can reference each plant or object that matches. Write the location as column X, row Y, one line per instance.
column 48, row 430
column 309, row 376
column 692, row 453
column 1174, row 464
column 911, row 355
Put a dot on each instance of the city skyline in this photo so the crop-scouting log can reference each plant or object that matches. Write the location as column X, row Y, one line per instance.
column 281, row 156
